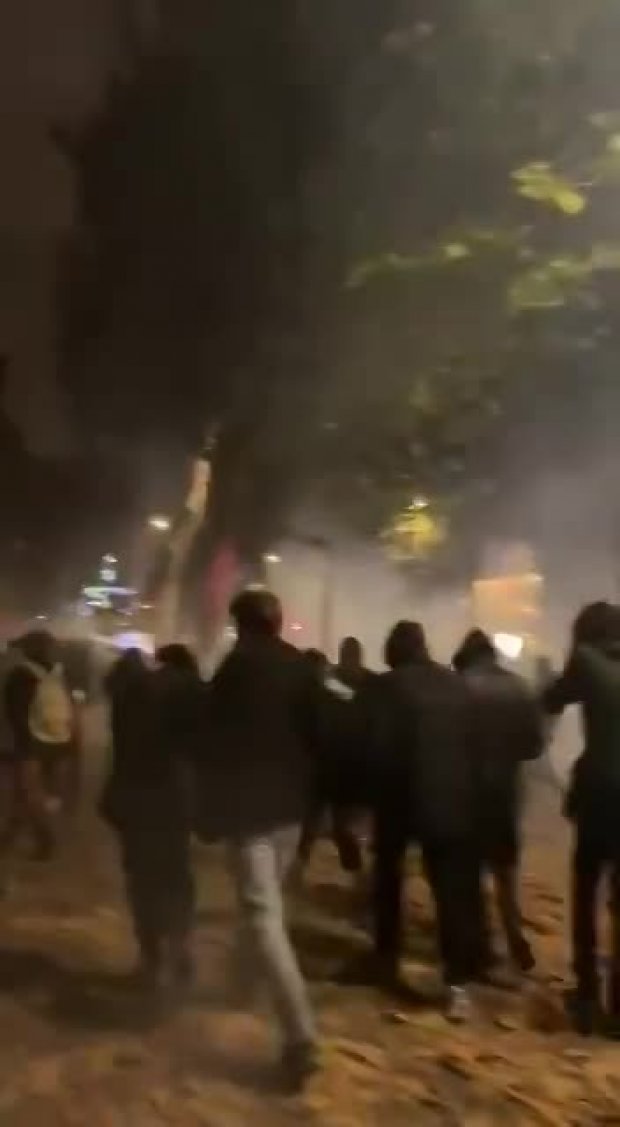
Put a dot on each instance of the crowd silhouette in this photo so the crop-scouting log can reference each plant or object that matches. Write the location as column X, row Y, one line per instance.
column 279, row 746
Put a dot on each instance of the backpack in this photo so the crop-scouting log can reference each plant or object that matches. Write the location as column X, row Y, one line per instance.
column 51, row 713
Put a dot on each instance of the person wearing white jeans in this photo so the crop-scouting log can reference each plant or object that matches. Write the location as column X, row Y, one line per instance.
column 257, row 778
column 260, row 865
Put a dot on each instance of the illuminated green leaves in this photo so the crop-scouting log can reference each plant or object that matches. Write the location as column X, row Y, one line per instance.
column 539, row 182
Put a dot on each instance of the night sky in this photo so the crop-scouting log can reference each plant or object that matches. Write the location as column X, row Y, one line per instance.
column 53, row 55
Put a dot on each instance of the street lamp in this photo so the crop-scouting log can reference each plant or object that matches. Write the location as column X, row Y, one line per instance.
column 419, row 504
column 159, row 523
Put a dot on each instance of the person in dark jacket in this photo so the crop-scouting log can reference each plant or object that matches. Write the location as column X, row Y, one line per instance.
column 155, row 724
column 256, row 787
column 350, row 669
column 337, row 779
column 591, row 679
column 426, row 792
column 507, row 731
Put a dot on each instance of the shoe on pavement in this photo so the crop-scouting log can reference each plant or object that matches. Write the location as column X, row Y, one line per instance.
column 586, row 1013
column 299, row 1064
column 459, row 1007
column 523, row 957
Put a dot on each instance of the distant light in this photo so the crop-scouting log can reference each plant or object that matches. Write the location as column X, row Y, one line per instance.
column 41, row 618
column 99, row 592
column 99, row 604
column 419, row 504
column 110, row 559
column 159, row 523
column 133, row 640
column 510, row 646
column 296, row 627
column 272, row 558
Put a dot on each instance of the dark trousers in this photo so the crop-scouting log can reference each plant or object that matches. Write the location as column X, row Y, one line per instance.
column 596, row 857
column 391, row 840
column 453, row 873
column 28, row 808
column 342, row 833
column 160, row 890
column 505, row 878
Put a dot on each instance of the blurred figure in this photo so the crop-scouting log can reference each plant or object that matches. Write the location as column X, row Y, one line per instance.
column 41, row 718
column 336, row 785
column 155, row 722
column 591, row 679
column 256, row 786
column 350, row 669
column 425, row 791
column 318, row 664
column 507, row 731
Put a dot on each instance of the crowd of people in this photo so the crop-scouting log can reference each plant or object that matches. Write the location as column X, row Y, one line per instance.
column 279, row 745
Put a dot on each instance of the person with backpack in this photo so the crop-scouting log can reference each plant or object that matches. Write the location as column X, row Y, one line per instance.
column 41, row 718
column 591, row 680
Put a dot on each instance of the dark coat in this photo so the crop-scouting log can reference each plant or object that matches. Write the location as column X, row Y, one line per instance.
column 591, row 679
column 156, row 721
column 418, row 724
column 507, row 730
column 343, row 770
column 256, row 766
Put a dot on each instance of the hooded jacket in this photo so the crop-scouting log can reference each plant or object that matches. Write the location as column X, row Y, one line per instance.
column 506, row 731
column 591, row 679
column 420, row 736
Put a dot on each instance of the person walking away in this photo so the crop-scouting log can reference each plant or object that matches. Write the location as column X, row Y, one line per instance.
column 41, row 716
column 350, row 669
column 425, row 792
column 155, row 721
column 255, row 791
column 334, row 785
column 507, row 732
column 591, row 679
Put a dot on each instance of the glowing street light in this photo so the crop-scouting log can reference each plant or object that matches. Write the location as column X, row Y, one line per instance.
column 159, row 523
column 510, row 646
column 419, row 504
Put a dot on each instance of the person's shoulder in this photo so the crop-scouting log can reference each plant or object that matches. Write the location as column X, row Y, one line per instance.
column 369, row 679
column 444, row 674
column 495, row 677
column 516, row 683
column 288, row 652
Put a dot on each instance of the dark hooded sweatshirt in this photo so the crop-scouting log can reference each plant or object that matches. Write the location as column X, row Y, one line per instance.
column 591, row 679
column 507, row 730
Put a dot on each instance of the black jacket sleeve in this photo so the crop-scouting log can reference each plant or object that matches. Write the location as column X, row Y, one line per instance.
column 566, row 689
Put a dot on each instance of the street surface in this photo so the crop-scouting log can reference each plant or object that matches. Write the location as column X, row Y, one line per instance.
column 76, row 1048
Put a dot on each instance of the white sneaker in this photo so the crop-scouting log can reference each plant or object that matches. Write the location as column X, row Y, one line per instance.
column 459, row 1008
